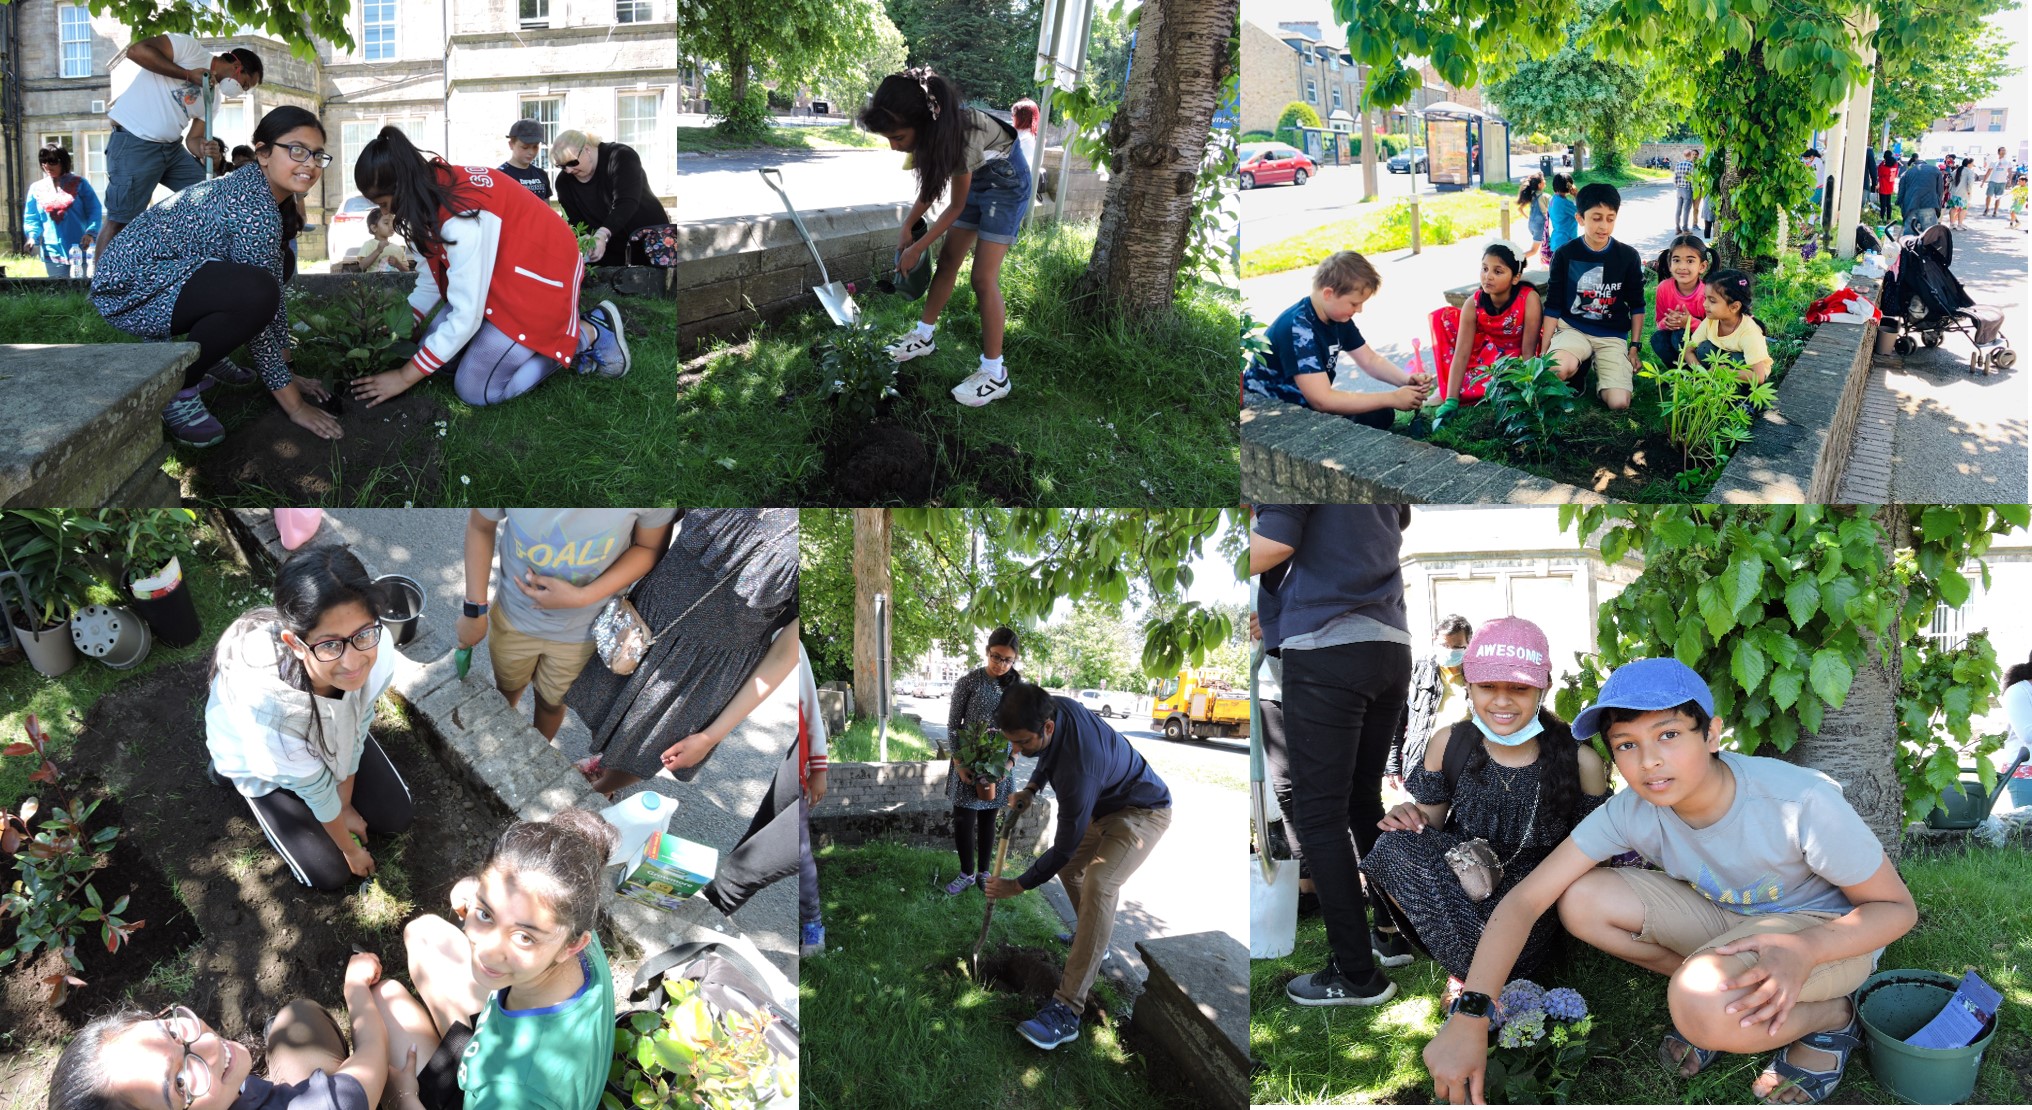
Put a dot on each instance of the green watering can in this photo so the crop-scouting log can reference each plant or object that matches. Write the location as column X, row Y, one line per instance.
column 914, row 284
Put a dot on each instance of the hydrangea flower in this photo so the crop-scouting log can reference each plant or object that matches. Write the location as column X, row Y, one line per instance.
column 1522, row 1030
column 1565, row 1004
column 1521, row 995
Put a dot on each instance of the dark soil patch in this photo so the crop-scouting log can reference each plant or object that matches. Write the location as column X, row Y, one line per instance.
column 389, row 453
column 258, row 938
column 883, row 463
column 1032, row 973
column 913, row 457
column 1616, row 454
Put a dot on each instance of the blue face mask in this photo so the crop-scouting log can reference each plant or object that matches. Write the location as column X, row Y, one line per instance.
column 1530, row 730
column 1453, row 658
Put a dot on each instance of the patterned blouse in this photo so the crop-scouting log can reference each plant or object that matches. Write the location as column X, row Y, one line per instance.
column 975, row 697
column 227, row 219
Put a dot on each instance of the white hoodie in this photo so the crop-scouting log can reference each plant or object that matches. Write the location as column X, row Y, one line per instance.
column 259, row 730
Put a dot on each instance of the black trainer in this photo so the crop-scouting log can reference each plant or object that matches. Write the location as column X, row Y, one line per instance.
column 1328, row 987
column 1390, row 949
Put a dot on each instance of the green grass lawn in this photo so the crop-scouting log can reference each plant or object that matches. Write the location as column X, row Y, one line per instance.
column 844, row 136
column 21, row 265
column 1975, row 910
column 891, row 1019
column 857, row 744
column 222, row 590
column 1447, row 218
column 1102, row 412
column 1628, row 175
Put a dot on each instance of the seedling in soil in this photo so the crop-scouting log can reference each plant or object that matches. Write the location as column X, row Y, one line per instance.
column 862, row 374
column 1707, row 414
column 357, row 331
column 1531, row 402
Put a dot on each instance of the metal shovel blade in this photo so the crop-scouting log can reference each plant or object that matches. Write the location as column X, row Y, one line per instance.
column 839, row 304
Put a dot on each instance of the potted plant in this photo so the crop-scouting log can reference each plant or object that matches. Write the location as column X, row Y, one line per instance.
column 44, row 552
column 151, row 545
column 683, row 1055
column 984, row 753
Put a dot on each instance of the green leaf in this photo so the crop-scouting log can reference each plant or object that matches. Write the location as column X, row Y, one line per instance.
column 1802, row 598
column 1938, row 522
column 1785, row 687
column 1831, row 676
column 1835, row 596
column 1954, row 587
column 1748, row 664
column 1741, row 582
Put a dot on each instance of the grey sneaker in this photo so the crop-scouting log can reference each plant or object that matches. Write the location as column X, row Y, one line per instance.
column 189, row 421
column 909, row 347
column 959, row 884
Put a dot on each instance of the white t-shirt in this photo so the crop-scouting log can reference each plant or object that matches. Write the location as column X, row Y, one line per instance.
column 2018, row 711
column 2000, row 173
column 157, row 108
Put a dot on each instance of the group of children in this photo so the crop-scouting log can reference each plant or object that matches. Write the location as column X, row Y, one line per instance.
column 1591, row 309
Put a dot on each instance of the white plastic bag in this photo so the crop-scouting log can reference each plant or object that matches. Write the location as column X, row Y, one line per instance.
column 1273, row 908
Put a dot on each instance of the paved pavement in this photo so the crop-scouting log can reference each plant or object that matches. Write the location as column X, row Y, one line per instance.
column 1273, row 212
column 1933, row 432
column 715, row 808
column 716, row 186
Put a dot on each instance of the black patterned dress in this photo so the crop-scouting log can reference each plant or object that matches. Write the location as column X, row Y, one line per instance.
column 694, row 670
column 1495, row 803
column 975, row 697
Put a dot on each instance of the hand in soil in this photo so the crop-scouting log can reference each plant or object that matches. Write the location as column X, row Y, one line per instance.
column 363, row 970
column 317, row 421
column 553, row 593
column 311, row 387
column 385, row 386
column 688, row 752
column 359, row 862
column 355, row 824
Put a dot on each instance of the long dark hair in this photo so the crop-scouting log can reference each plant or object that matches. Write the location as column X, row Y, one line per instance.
column 1562, row 183
column 1558, row 782
column 928, row 104
column 1734, row 286
column 2019, row 672
column 273, row 126
column 1528, row 192
column 566, row 853
column 390, row 165
column 1006, row 637
column 1663, row 266
column 313, row 582
column 80, row 1080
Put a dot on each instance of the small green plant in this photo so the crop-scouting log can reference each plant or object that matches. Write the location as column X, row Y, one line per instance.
column 1531, row 402
column 983, row 751
column 357, row 330
column 52, row 550
column 56, row 865
column 1541, row 1043
column 1938, row 701
column 586, row 236
column 859, row 373
column 1706, row 413
column 143, row 541
column 683, row 1056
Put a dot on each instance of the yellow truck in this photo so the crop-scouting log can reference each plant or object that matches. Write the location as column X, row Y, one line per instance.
column 1193, row 705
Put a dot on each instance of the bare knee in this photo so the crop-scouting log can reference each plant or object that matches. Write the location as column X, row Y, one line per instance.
column 1699, row 1007
column 1616, row 398
column 1599, row 903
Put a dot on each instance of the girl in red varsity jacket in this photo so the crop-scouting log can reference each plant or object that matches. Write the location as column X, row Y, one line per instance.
column 501, row 278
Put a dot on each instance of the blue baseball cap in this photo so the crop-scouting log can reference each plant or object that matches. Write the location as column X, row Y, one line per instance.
column 1645, row 684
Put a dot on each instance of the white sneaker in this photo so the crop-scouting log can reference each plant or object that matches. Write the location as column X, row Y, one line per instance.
column 980, row 389
column 909, row 347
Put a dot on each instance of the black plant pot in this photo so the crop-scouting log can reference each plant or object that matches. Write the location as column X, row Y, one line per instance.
column 173, row 618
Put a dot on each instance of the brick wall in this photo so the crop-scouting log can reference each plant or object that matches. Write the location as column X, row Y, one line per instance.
column 908, row 800
column 1798, row 450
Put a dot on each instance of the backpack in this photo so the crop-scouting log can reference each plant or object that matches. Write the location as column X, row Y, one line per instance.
column 728, row 983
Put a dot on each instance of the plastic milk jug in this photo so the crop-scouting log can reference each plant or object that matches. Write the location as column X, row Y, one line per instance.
column 637, row 817
column 297, row 526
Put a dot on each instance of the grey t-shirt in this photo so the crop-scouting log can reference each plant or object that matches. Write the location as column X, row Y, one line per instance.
column 1788, row 843
column 986, row 141
column 577, row 545
column 1348, row 628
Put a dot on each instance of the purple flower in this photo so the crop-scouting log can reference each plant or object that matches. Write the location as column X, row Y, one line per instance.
column 1519, row 996
column 1565, row 1004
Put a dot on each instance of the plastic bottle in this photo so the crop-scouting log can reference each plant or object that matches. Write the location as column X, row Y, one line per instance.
column 91, row 260
column 77, row 261
column 637, row 816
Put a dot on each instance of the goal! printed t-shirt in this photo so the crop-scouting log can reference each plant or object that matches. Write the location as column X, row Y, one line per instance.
column 577, row 545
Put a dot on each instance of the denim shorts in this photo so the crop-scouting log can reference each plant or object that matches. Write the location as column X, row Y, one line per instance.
column 999, row 198
column 134, row 167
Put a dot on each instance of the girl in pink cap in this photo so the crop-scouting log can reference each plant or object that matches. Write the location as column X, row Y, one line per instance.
column 1510, row 775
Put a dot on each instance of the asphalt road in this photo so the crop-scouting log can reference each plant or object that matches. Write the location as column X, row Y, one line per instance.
column 717, row 186
column 1273, row 212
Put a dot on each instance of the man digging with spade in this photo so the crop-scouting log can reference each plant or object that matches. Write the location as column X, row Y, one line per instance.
column 1112, row 810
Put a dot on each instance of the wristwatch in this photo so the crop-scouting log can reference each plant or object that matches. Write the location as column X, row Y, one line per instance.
column 1474, row 1004
column 476, row 609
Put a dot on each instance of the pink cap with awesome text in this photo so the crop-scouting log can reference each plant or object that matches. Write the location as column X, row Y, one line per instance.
column 1509, row 649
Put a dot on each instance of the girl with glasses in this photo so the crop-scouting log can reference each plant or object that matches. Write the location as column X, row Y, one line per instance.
column 972, row 705
column 292, row 695
column 174, row 1060
column 209, row 264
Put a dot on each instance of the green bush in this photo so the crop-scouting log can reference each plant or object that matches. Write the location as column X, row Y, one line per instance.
column 1388, row 145
column 1258, row 137
column 1295, row 115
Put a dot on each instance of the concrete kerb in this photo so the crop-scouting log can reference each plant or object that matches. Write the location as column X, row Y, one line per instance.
column 1195, row 1007
column 80, row 423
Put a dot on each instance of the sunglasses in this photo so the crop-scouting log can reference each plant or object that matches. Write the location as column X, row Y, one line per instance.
column 364, row 640
column 571, row 164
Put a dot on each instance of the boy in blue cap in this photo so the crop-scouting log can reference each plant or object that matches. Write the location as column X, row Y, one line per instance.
column 1773, row 904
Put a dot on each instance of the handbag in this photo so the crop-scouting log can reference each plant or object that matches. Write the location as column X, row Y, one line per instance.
column 623, row 638
column 1476, row 865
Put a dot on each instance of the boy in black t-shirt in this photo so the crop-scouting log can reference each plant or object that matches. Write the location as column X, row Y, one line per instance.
column 1308, row 338
column 525, row 139
column 1594, row 303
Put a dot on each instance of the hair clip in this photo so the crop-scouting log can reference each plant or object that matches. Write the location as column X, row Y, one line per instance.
column 923, row 75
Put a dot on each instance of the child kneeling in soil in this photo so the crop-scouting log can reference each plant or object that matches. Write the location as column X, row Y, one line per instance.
column 1681, row 295
column 1307, row 340
column 505, row 267
column 1594, row 300
column 1728, row 327
column 1773, row 905
column 514, row 1004
column 979, row 157
column 292, row 696
column 1500, row 321
column 173, row 1059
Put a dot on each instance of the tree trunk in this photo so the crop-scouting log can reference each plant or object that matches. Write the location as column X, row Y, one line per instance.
column 1159, row 137
column 871, row 577
column 1728, row 251
column 1857, row 745
column 737, row 76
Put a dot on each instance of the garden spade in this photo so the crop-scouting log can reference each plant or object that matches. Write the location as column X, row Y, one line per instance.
column 839, row 304
column 1001, row 854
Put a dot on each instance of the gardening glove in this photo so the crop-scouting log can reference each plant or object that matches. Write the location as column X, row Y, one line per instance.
column 1446, row 409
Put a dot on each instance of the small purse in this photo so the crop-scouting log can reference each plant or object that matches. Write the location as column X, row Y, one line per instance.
column 623, row 638
column 1475, row 863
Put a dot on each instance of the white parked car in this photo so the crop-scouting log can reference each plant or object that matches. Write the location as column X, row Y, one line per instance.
column 1107, row 703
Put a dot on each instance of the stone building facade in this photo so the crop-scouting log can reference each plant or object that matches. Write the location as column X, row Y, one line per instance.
column 1287, row 62
column 453, row 74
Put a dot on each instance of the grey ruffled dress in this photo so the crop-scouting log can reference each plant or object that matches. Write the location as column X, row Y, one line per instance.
column 975, row 697
column 696, row 668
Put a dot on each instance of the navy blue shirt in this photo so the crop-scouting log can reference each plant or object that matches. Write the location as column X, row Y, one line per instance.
column 1093, row 772
column 319, row 1092
column 537, row 181
column 1300, row 343
column 1919, row 187
column 1344, row 559
column 1597, row 292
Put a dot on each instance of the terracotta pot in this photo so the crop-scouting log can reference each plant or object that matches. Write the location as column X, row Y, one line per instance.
column 985, row 791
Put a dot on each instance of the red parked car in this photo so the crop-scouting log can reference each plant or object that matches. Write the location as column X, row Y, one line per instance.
column 1273, row 164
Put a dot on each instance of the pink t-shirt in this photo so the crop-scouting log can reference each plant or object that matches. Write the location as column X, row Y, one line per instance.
column 1669, row 300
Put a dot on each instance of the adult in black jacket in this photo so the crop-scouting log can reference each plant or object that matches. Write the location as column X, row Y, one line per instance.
column 603, row 186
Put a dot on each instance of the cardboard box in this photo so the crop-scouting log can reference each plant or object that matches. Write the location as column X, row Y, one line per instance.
column 669, row 870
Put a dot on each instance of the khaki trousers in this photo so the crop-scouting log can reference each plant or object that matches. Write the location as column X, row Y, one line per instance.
column 1111, row 851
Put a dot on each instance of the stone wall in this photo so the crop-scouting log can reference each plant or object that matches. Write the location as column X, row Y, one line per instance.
column 1195, row 1008
column 1798, row 450
column 908, row 800
column 1294, row 455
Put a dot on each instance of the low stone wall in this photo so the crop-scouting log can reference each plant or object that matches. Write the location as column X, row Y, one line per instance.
column 635, row 281
column 1195, row 1010
column 1798, row 450
column 81, row 424
column 1293, row 455
column 868, row 800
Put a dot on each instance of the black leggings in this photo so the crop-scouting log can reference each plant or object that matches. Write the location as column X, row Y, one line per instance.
column 222, row 306
column 380, row 796
column 768, row 850
column 971, row 827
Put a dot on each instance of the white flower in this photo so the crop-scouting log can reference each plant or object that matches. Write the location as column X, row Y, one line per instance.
column 465, row 481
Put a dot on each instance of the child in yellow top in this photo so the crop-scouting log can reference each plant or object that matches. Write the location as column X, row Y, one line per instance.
column 1729, row 327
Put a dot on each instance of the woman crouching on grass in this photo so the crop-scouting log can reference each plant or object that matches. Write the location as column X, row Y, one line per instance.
column 174, row 1060
column 209, row 264
column 514, row 1006
column 503, row 265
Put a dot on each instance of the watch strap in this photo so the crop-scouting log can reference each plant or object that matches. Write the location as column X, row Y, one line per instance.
column 1470, row 1002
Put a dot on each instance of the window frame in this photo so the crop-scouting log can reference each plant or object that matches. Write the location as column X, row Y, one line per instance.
column 537, row 22
column 63, row 63
column 393, row 26
column 647, row 8
column 550, row 127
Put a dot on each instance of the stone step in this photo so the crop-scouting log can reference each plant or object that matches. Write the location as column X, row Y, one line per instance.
column 1195, row 1010
column 79, row 422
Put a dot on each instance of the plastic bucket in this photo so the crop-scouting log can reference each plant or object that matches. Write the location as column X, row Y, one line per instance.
column 1961, row 806
column 173, row 617
column 114, row 636
column 49, row 651
column 1896, row 1004
column 401, row 606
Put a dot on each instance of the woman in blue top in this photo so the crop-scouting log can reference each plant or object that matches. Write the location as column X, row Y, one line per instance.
column 209, row 264
column 62, row 213
column 1565, row 215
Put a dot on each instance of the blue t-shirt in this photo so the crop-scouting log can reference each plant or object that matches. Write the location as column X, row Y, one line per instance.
column 1300, row 343
column 1565, row 220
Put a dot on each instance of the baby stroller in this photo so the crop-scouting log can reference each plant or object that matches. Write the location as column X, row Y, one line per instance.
column 1924, row 294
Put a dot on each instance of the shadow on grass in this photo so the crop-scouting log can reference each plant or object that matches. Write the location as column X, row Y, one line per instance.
column 1975, row 910
column 892, row 1019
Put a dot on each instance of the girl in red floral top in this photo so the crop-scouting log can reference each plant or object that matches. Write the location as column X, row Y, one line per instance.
column 1499, row 321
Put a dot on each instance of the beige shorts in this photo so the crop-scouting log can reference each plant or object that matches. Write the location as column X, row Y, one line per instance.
column 520, row 658
column 1611, row 355
column 1682, row 919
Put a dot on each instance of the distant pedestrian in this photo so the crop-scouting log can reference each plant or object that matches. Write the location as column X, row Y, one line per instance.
column 1814, row 164
column 1564, row 215
column 1961, row 181
column 1887, row 185
column 1531, row 199
column 1996, row 178
column 61, row 214
column 1919, row 194
column 1682, row 184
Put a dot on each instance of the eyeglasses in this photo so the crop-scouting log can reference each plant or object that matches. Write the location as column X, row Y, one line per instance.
column 301, row 153
column 193, row 1074
column 1006, row 660
column 363, row 641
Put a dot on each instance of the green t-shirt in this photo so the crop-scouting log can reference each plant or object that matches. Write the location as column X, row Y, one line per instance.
column 554, row 1058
